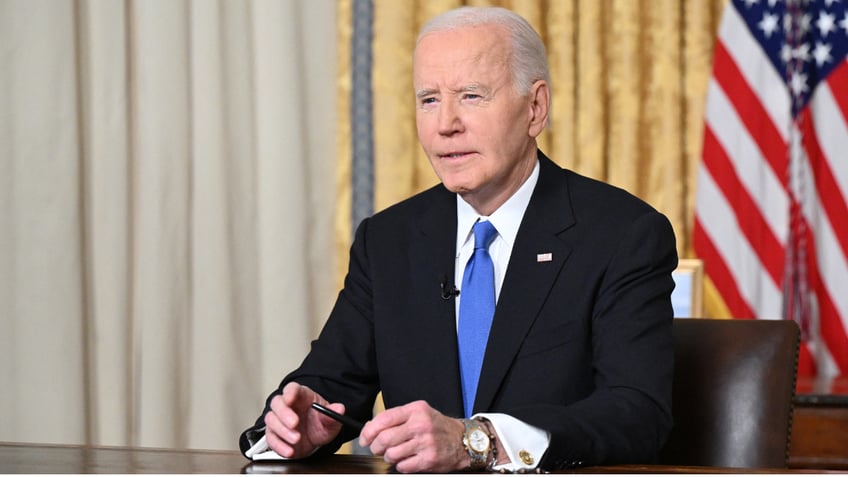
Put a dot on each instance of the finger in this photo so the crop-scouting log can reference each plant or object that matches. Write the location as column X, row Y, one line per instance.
column 387, row 419
column 415, row 456
column 411, row 465
column 277, row 444
column 399, row 452
column 422, row 456
column 294, row 394
column 284, row 413
column 389, row 438
column 326, row 421
column 283, row 423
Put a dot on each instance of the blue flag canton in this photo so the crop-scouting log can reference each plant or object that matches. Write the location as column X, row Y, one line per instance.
column 805, row 39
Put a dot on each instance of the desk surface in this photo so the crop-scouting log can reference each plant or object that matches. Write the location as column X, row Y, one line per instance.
column 54, row 459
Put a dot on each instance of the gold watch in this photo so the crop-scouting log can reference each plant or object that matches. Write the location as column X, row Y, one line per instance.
column 478, row 443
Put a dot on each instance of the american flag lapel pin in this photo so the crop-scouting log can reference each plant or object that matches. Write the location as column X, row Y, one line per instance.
column 544, row 257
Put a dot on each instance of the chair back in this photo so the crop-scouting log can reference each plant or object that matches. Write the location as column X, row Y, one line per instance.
column 734, row 383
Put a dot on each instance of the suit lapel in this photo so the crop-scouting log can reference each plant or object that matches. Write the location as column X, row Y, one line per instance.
column 435, row 256
column 537, row 258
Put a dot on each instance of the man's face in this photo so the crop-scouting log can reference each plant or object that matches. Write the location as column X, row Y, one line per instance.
column 478, row 133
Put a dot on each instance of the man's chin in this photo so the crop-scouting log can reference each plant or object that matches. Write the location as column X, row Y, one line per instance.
column 461, row 189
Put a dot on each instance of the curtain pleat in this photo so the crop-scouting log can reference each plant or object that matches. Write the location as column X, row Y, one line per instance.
column 105, row 134
column 42, row 304
column 166, row 213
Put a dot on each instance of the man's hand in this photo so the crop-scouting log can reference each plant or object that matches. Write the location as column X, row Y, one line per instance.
column 292, row 429
column 417, row 438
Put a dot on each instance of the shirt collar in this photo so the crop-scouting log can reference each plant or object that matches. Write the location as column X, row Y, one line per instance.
column 506, row 219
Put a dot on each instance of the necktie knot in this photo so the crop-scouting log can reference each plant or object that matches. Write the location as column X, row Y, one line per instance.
column 484, row 233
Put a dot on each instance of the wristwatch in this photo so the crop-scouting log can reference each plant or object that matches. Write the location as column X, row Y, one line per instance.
column 478, row 443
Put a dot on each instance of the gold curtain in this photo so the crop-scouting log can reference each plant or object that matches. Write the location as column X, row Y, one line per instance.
column 629, row 84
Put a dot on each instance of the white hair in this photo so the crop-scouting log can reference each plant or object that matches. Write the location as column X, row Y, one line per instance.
column 528, row 59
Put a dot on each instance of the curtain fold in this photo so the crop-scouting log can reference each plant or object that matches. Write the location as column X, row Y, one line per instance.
column 105, row 137
column 41, row 301
column 166, row 210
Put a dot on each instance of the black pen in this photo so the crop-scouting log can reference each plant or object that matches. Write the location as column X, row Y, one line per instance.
column 347, row 421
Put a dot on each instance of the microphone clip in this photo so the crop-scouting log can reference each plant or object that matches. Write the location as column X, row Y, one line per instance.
column 448, row 291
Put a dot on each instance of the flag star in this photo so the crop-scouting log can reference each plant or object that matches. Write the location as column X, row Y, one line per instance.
column 748, row 3
column 831, row 2
column 786, row 53
column 804, row 23
column 768, row 24
column 772, row 3
column 802, row 52
column 822, row 53
column 826, row 23
column 844, row 23
column 798, row 83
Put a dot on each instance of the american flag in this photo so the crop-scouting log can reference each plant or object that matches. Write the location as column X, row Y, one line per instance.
column 771, row 216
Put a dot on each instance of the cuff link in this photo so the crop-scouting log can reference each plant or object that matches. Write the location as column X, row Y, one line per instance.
column 526, row 457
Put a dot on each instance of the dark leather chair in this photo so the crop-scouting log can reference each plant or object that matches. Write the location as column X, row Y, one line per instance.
column 734, row 383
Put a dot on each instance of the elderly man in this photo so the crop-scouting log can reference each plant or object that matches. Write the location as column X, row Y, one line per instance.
column 515, row 316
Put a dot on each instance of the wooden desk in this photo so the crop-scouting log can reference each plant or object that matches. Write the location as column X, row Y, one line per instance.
column 52, row 459
column 55, row 459
column 820, row 432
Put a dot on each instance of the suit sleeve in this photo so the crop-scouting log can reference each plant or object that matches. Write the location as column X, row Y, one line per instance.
column 627, row 417
column 341, row 363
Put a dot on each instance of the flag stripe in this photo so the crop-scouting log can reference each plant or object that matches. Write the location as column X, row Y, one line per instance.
column 825, row 183
column 829, row 264
column 720, row 274
column 745, row 275
column 771, row 214
column 832, row 328
column 748, row 215
column 749, row 109
column 837, row 81
column 767, row 189
column 831, row 129
column 756, row 68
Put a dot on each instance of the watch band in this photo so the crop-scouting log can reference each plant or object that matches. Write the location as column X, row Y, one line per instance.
column 478, row 442
column 493, row 460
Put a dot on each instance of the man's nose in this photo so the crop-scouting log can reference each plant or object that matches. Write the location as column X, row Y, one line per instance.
column 449, row 120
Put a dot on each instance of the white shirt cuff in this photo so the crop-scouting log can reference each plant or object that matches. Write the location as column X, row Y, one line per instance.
column 524, row 444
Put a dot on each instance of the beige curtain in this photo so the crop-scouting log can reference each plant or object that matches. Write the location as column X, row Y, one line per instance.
column 629, row 81
column 171, row 228
column 166, row 213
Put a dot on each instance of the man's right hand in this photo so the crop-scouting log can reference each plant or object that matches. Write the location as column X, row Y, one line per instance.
column 292, row 430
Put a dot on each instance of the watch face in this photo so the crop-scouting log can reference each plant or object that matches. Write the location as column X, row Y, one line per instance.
column 478, row 441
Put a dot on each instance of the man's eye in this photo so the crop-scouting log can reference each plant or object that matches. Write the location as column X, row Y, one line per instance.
column 472, row 96
column 428, row 100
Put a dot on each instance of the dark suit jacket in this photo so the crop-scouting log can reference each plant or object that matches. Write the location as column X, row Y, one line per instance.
column 580, row 346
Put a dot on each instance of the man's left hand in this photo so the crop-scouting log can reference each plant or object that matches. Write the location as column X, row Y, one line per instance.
column 416, row 438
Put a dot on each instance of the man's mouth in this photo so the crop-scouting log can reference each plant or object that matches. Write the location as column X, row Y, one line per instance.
column 454, row 155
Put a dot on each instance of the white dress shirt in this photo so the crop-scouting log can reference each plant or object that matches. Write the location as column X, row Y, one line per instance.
column 516, row 436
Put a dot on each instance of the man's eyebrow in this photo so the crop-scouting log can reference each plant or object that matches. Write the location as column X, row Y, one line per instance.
column 472, row 88
column 424, row 92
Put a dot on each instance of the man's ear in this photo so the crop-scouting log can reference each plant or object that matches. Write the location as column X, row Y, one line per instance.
column 539, row 102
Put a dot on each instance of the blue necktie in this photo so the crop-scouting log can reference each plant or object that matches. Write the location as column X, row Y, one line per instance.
column 476, row 309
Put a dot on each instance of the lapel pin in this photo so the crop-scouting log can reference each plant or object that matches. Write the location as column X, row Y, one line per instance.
column 544, row 257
